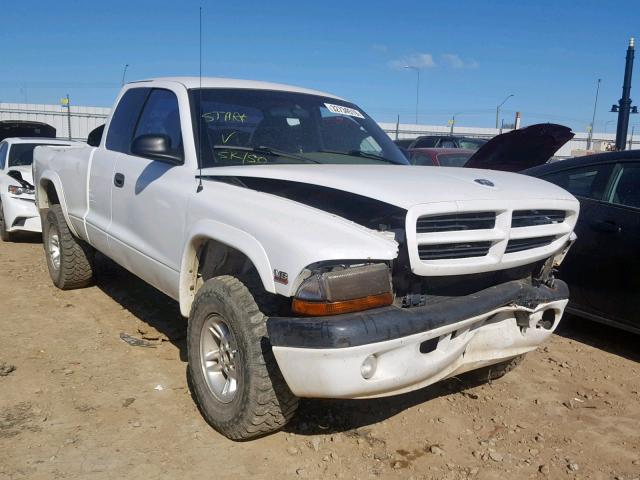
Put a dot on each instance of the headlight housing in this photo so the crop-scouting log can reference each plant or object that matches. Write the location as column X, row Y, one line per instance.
column 344, row 290
column 20, row 190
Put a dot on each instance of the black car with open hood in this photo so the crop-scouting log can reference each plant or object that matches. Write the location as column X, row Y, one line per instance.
column 520, row 149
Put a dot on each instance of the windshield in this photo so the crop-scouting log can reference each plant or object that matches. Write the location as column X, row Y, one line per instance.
column 249, row 127
column 21, row 154
column 453, row 159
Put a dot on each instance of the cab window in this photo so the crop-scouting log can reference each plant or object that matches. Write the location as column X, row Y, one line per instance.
column 161, row 116
column 124, row 120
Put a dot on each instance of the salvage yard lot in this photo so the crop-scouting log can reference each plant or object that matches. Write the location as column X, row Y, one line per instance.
column 82, row 403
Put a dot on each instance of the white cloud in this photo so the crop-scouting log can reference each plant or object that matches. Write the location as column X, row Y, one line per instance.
column 454, row 61
column 379, row 48
column 418, row 60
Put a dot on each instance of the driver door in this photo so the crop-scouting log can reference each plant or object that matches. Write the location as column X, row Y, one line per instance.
column 149, row 200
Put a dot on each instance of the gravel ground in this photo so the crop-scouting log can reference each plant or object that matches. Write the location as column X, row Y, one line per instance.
column 76, row 401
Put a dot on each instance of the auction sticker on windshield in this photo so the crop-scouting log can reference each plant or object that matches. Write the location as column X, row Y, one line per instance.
column 352, row 112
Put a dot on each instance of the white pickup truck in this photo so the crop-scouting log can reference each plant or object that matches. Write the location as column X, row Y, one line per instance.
column 310, row 260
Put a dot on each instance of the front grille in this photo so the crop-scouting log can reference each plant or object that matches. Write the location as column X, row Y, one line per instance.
column 520, row 244
column 456, row 222
column 532, row 218
column 453, row 250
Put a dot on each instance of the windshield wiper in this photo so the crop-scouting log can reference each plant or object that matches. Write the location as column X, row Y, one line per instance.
column 261, row 150
column 360, row 153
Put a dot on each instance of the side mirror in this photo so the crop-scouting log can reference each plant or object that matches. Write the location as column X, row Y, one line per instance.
column 157, row 147
column 95, row 136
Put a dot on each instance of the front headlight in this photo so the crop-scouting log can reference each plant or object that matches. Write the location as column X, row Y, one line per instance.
column 344, row 290
column 20, row 190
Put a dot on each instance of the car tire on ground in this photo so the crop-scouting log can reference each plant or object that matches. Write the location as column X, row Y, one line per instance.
column 69, row 259
column 5, row 235
column 493, row 372
column 232, row 371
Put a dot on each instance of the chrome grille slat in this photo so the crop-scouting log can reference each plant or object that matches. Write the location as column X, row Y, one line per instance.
column 521, row 244
column 534, row 218
column 453, row 250
column 456, row 222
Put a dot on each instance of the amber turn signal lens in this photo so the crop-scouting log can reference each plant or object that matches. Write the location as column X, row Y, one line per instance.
column 317, row 309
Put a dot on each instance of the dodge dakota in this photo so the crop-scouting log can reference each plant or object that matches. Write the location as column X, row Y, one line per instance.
column 309, row 259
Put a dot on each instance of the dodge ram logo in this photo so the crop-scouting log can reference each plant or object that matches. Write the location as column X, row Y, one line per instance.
column 485, row 182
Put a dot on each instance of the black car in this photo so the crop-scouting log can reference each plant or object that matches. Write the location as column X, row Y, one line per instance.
column 447, row 141
column 404, row 142
column 603, row 266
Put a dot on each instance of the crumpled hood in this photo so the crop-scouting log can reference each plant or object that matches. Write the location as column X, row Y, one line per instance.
column 25, row 171
column 404, row 186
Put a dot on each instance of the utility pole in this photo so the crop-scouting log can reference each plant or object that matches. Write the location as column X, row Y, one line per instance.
column 499, row 107
column 66, row 102
column 124, row 73
column 417, row 70
column 624, row 107
column 633, row 129
column 593, row 118
column 397, row 126
column 452, row 122
column 69, row 115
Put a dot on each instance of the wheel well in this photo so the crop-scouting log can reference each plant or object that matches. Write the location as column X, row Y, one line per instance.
column 213, row 259
column 48, row 195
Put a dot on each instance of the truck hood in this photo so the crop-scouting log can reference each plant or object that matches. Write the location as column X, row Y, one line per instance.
column 392, row 184
column 520, row 149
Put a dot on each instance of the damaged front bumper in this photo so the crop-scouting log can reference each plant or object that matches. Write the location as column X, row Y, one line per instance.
column 407, row 349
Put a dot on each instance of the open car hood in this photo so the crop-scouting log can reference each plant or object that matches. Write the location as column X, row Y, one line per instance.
column 25, row 128
column 520, row 149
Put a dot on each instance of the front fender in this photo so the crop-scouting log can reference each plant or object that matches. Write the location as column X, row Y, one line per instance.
column 206, row 229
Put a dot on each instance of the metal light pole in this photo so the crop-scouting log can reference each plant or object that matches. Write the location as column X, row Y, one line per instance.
column 633, row 129
column 500, row 106
column 66, row 102
column 412, row 67
column 624, row 104
column 593, row 118
column 124, row 73
column 452, row 122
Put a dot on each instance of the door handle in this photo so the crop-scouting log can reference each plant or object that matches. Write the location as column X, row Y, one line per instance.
column 607, row 226
column 118, row 180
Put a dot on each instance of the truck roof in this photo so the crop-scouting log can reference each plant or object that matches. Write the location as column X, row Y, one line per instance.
column 219, row 82
column 49, row 140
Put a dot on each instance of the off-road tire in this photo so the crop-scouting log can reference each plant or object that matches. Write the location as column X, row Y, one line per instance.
column 5, row 235
column 494, row 372
column 263, row 402
column 76, row 256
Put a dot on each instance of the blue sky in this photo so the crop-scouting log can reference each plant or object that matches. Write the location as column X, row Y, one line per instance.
column 472, row 54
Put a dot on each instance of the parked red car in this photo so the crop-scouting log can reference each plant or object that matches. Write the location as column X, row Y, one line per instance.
column 512, row 151
column 440, row 157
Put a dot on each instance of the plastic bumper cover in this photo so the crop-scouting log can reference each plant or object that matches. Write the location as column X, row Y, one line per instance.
column 413, row 348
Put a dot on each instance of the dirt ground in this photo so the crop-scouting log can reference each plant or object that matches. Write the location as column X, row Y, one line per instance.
column 82, row 403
